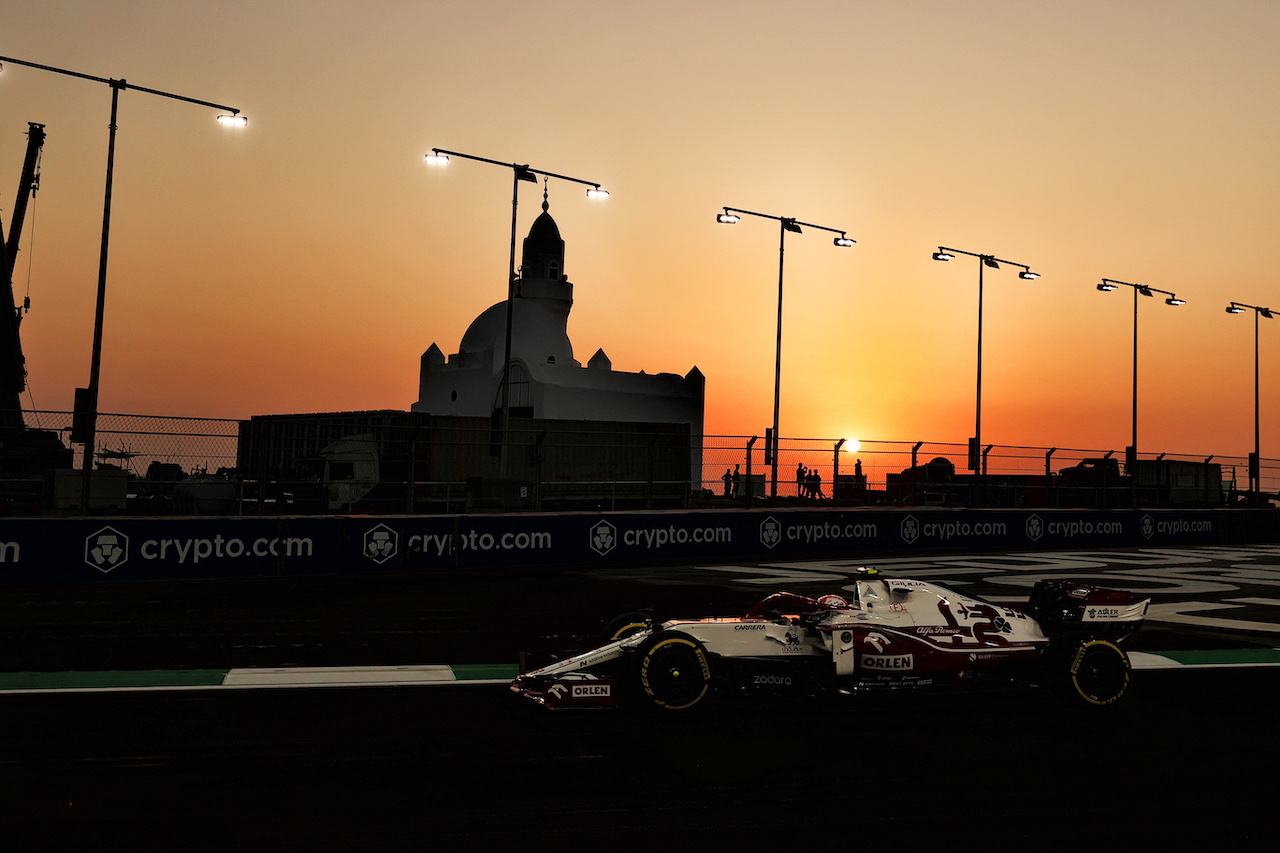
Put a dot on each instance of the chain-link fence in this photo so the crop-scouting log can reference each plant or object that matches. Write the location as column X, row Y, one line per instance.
column 139, row 444
column 918, row 473
column 389, row 461
column 806, row 469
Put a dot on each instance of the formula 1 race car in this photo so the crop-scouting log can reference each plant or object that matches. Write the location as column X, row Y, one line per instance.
column 894, row 633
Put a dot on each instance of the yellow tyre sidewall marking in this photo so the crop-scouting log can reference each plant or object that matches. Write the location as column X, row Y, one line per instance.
column 702, row 663
column 628, row 629
column 1079, row 659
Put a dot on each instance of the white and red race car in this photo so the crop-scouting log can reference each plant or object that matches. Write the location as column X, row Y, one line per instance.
column 892, row 633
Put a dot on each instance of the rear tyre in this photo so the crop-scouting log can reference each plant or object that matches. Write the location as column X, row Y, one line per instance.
column 1097, row 673
column 673, row 672
column 626, row 624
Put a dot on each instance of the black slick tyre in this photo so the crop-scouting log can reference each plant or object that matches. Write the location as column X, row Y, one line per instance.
column 1097, row 673
column 672, row 672
column 626, row 624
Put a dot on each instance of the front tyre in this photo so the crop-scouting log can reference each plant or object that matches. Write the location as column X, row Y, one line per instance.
column 673, row 672
column 1097, row 673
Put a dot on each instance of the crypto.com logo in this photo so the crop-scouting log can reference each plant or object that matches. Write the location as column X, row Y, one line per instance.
column 1035, row 527
column 770, row 532
column 910, row 529
column 603, row 537
column 381, row 543
column 106, row 549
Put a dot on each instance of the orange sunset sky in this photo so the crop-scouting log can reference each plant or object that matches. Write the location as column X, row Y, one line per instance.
column 304, row 263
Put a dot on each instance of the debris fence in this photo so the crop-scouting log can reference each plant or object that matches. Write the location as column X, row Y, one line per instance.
column 439, row 470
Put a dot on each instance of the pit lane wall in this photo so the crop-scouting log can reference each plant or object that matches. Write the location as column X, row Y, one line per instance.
column 105, row 549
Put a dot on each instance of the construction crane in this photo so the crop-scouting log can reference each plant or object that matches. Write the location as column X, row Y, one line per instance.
column 24, row 453
column 13, row 366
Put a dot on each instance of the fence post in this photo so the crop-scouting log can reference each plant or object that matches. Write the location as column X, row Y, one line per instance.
column 915, row 472
column 835, row 474
column 746, row 500
column 262, row 484
column 648, row 489
column 411, row 480
column 1048, row 476
column 1164, row 483
column 981, row 491
column 538, row 470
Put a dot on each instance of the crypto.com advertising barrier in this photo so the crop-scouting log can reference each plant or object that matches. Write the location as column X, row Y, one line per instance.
column 37, row 550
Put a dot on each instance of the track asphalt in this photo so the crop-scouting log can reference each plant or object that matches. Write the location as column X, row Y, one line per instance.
column 123, row 728
column 411, row 676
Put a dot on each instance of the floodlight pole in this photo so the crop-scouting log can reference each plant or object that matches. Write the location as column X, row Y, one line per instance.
column 975, row 443
column 1257, row 433
column 1109, row 284
column 785, row 223
column 95, row 364
column 1255, row 464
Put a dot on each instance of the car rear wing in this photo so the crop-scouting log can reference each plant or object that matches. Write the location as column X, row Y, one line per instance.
column 1063, row 606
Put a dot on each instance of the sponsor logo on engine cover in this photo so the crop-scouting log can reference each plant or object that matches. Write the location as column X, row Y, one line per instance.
column 759, row 627
column 941, row 631
column 888, row 663
column 878, row 640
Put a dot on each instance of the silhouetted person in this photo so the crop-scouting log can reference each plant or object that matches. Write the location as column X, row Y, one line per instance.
column 813, row 484
column 728, row 478
column 737, row 480
column 801, row 486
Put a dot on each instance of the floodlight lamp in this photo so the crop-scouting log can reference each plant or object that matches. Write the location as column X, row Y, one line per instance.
column 942, row 256
column 1106, row 288
column 435, row 158
column 1235, row 309
column 236, row 120
column 597, row 192
column 1173, row 300
column 1028, row 275
column 843, row 241
column 727, row 218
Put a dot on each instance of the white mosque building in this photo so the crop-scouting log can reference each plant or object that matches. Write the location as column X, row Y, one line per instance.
column 547, row 382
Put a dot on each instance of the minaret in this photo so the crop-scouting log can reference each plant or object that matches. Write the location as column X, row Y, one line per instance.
column 542, row 275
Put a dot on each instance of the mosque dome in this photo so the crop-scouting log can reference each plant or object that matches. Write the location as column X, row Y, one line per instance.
column 540, row 310
column 538, row 336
